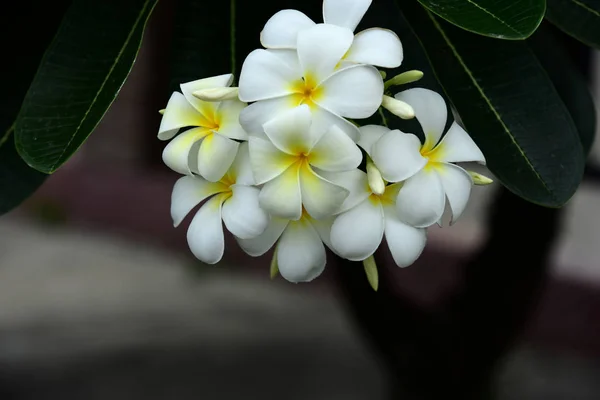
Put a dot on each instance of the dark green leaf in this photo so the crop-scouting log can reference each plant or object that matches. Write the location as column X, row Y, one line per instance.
column 502, row 19
column 569, row 83
column 509, row 106
column 34, row 23
column 578, row 18
column 79, row 77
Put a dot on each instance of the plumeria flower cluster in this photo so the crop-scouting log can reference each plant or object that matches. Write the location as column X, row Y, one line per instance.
column 280, row 161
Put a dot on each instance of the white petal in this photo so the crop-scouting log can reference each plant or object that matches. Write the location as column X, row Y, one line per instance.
column 300, row 252
column 205, row 234
column 188, row 192
column 457, row 184
column 405, row 242
column 323, row 228
column 215, row 156
column 353, row 92
column 320, row 197
column 253, row 117
column 178, row 114
column 322, row 119
column 376, row 46
column 369, row 134
column 281, row 30
column 281, row 196
column 261, row 244
column 240, row 171
column 397, row 156
column 321, row 48
column 346, row 13
column 430, row 110
column 267, row 161
column 189, row 88
column 176, row 155
column 242, row 214
column 357, row 233
column 457, row 146
column 421, row 199
column 290, row 131
column 335, row 151
column 265, row 76
column 290, row 58
column 228, row 116
column 354, row 181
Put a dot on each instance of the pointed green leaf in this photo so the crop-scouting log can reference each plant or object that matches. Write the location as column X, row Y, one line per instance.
column 34, row 23
column 508, row 105
column 578, row 18
column 502, row 19
column 569, row 83
column 79, row 77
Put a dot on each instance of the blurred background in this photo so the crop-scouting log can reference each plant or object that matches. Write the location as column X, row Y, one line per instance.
column 101, row 299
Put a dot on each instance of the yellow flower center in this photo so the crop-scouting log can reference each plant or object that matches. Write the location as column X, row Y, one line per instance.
column 306, row 91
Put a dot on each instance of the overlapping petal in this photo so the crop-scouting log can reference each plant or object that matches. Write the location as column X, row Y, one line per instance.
column 265, row 76
column 228, row 117
column 421, row 199
column 457, row 146
column 282, row 196
column 188, row 192
column 369, row 134
column 261, row 244
column 290, row 131
column 357, row 233
column 321, row 48
column 354, row 181
column 406, row 243
column 178, row 114
column 205, row 108
column 215, row 156
column 267, row 161
column 353, row 92
column 281, row 30
column 335, row 151
column 457, row 184
column 300, row 252
column 376, row 46
column 320, row 197
column 205, row 234
column 242, row 213
column 346, row 13
column 431, row 112
column 177, row 153
column 397, row 155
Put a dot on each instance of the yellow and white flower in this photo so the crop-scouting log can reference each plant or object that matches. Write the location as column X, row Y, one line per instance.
column 283, row 161
column 299, row 253
column 427, row 169
column 367, row 216
column 210, row 146
column 375, row 46
column 277, row 80
column 233, row 200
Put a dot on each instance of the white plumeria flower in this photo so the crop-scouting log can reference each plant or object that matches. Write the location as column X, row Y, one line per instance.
column 234, row 201
column 277, row 80
column 300, row 253
column 215, row 129
column 366, row 217
column 375, row 46
column 427, row 169
column 284, row 163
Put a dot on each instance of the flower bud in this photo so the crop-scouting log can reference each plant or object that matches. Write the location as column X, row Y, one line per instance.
column 376, row 182
column 217, row 94
column 479, row 179
column 398, row 107
column 404, row 78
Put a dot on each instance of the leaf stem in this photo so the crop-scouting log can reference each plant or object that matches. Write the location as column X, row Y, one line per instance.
column 232, row 35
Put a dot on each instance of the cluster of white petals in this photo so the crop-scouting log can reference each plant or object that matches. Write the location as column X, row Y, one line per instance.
column 279, row 162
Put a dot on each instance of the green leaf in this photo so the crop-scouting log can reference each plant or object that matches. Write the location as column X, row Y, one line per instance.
column 79, row 78
column 502, row 19
column 34, row 23
column 371, row 271
column 569, row 83
column 508, row 105
column 578, row 18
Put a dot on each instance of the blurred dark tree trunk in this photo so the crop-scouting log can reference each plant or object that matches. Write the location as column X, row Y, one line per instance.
column 452, row 350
